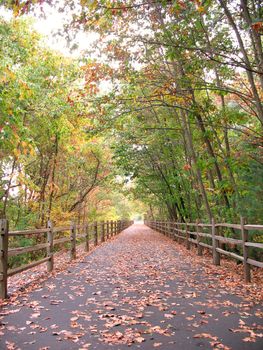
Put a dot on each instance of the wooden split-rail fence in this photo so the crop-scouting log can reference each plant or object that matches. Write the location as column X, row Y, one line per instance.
column 215, row 239
column 73, row 234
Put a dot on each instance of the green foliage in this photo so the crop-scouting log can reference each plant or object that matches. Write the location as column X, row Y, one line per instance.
column 51, row 166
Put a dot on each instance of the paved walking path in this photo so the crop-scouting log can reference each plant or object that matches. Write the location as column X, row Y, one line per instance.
column 139, row 290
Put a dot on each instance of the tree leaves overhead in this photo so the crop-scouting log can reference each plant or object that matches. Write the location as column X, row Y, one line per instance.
column 176, row 89
column 187, row 101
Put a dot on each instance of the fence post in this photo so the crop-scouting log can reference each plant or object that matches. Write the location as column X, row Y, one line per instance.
column 175, row 231
column 87, row 237
column 108, row 229
column 50, row 238
column 199, row 247
column 102, row 231
column 73, row 241
column 3, row 257
column 171, row 229
column 244, row 234
column 95, row 233
column 179, row 227
column 111, row 228
column 115, row 228
column 187, row 237
column 216, row 255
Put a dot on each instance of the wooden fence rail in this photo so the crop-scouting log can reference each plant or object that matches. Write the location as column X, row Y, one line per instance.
column 96, row 231
column 192, row 233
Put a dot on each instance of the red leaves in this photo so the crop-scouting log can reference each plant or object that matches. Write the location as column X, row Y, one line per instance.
column 85, row 346
column 71, row 336
column 94, row 74
column 187, row 167
column 139, row 339
column 70, row 101
column 159, row 330
column 10, row 345
column 205, row 335
column 74, row 319
column 55, row 302
column 129, row 337
column 250, row 339
column 257, row 26
column 215, row 343
column 243, row 328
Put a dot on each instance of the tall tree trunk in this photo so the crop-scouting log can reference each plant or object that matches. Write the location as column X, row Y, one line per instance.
column 53, row 174
column 258, row 102
column 189, row 142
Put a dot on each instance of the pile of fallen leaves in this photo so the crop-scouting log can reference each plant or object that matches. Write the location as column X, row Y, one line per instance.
column 29, row 280
column 229, row 273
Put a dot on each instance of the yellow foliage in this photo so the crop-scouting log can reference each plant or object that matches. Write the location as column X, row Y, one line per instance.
column 201, row 9
column 16, row 153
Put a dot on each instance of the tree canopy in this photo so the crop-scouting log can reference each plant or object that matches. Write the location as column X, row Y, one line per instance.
column 170, row 110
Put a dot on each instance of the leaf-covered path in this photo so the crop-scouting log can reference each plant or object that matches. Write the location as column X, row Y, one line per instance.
column 140, row 289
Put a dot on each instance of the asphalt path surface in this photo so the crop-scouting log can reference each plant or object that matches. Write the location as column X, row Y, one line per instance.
column 141, row 291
